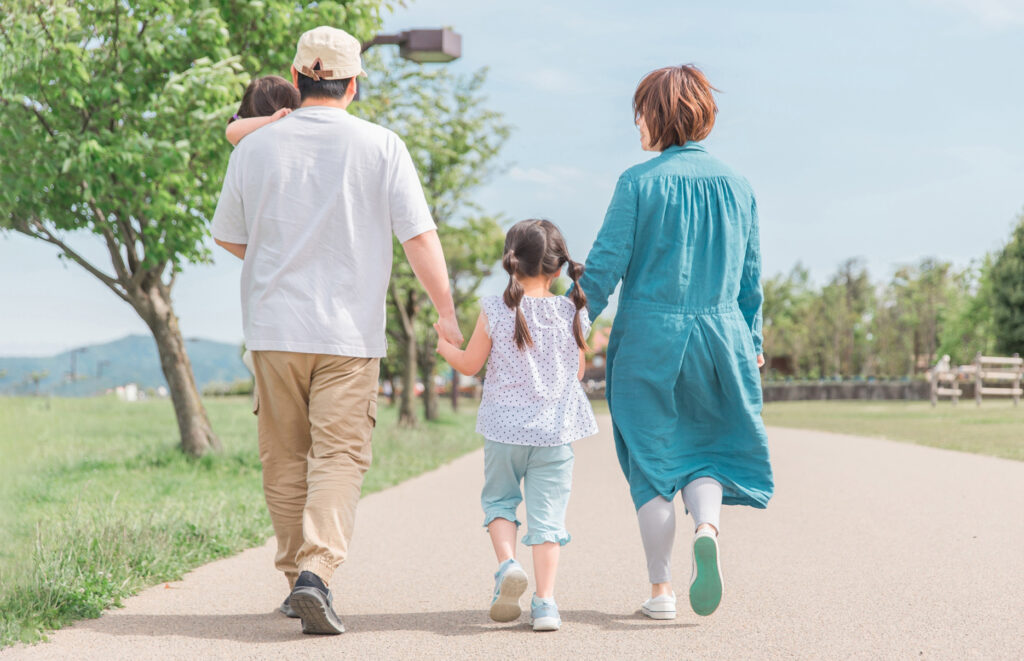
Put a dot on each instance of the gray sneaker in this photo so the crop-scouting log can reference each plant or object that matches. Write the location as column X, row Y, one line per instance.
column 314, row 604
column 286, row 608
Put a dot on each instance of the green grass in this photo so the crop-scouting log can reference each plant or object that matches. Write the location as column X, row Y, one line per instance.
column 96, row 501
column 994, row 429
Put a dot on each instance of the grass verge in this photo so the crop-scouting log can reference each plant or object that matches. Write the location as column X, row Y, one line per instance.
column 97, row 503
column 993, row 429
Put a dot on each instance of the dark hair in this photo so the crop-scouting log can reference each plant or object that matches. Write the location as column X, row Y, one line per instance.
column 536, row 247
column 676, row 104
column 322, row 89
column 265, row 96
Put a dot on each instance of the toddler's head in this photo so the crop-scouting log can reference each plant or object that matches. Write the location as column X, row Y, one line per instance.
column 265, row 96
column 536, row 248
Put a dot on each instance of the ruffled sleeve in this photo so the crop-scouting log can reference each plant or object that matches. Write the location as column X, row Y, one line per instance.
column 492, row 307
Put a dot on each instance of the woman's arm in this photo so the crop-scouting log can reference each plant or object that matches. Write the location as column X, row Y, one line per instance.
column 583, row 365
column 470, row 361
column 240, row 128
column 751, row 295
column 610, row 255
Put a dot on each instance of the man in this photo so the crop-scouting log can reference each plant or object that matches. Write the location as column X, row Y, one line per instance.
column 310, row 203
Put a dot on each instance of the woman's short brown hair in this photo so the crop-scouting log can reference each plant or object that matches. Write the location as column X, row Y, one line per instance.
column 676, row 104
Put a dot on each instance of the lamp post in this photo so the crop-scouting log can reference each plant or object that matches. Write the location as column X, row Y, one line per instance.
column 423, row 45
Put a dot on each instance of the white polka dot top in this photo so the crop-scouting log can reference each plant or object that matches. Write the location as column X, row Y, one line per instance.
column 533, row 396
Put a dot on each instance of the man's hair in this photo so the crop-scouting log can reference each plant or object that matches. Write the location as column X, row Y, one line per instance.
column 676, row 104
column 322, row 89
column 265, row 96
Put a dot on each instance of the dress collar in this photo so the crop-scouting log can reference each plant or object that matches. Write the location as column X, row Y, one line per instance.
column 689, row 146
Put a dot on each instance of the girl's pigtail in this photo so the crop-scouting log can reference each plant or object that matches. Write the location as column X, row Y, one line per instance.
column 513, row 297
column 579, row 299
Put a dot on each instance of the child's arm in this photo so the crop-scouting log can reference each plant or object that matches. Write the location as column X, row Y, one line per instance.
column 583, row 365
column 240, row 128
column 470, row 361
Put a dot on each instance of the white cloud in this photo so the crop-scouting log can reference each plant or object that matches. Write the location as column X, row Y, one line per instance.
column 992, row 13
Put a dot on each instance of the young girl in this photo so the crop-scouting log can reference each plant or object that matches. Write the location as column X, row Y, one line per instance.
column 533, row 408
column 265, row 100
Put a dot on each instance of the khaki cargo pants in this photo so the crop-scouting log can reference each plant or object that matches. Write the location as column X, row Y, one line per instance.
column 315, row 415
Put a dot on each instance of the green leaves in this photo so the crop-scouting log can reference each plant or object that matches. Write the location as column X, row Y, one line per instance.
column 1008, row 293
column 113, row 113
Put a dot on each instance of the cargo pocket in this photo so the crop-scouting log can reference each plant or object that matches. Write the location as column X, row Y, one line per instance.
column 371, row 412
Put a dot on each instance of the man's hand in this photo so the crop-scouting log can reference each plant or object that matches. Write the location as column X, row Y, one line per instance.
column 760, row 360
column 448, row 328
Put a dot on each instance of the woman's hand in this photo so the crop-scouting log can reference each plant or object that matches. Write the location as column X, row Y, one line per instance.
column 760, row 360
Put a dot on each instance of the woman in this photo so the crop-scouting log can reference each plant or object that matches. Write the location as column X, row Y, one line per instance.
column 681, row 233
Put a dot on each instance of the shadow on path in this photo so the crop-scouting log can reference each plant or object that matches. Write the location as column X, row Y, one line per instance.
column 274, row 627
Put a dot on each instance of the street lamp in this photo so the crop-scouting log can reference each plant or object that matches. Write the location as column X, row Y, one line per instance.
column 423, row 45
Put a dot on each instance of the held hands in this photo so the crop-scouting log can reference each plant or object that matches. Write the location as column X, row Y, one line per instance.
column 448, row 330
column 442, row 343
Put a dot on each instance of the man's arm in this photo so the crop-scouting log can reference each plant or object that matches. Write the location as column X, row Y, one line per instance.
column 236, row 249
column 427, row 260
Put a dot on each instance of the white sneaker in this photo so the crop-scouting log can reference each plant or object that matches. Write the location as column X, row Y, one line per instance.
column 662, row 607
column 706, row 583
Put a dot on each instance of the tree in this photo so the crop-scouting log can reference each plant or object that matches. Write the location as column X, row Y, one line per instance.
column 908, row 321
column 454, row 141
column 36, row 378
column 112, row 118
column 787, row 317
column 1008, row 294
column 967, row 326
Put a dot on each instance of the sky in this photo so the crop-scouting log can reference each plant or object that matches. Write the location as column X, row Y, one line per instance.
column 883, row 130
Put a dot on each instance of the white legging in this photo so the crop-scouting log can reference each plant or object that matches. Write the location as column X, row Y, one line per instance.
column 702, row 497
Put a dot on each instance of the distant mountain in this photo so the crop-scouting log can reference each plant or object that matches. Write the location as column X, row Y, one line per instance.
column 131, row 359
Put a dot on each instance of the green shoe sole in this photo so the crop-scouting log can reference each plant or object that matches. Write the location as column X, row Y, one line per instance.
column 706, row 590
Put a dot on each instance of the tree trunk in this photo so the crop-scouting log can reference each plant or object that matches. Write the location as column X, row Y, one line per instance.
column 407, row 410
column 455, row 390
column 154, row 306
column 428, row 365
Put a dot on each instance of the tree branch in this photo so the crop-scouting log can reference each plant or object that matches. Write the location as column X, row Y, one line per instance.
column 111, row 241
column 37, row 230
column 403, row 314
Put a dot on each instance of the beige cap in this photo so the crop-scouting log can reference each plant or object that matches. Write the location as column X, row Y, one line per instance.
column 337, row 52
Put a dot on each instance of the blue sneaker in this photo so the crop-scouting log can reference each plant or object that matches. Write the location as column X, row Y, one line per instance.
column 544, row 614
column 509, row 584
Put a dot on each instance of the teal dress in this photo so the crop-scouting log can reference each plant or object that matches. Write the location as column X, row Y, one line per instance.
column 681, row 234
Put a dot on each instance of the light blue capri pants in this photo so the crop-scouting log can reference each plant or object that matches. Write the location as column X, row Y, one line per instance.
column 546, row 474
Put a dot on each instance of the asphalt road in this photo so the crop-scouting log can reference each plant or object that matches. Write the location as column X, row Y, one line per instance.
column 870, row 549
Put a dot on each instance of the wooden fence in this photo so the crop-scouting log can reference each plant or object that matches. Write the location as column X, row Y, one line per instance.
column 1008, row 372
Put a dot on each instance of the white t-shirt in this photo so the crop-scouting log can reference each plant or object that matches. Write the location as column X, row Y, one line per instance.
column 315, row 197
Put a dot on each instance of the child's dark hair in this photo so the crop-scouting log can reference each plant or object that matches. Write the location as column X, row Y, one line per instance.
column 265, row 96
column 536, row 247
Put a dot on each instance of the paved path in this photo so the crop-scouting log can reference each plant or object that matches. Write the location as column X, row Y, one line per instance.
column 870, row 549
